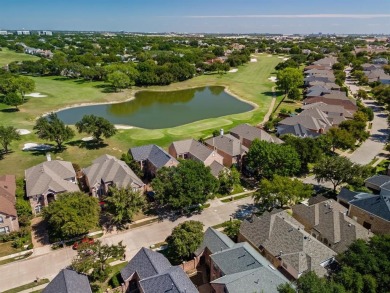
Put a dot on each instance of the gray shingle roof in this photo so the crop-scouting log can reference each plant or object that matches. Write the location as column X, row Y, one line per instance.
column 258, row 280
column 145, row 263
column 215, row 241
column 378, row 180
column 173, row 280
column 216, row 168
column 50, row 175
column 329, row 218
column 195, row 148
column 251, row 133
column 152, row 153
column 109, row 169
column 313, row 119
column 297, row 130
column 378, row 205
column 228, row 144
column 156, row 274
column 68, row 281
column 279, row 232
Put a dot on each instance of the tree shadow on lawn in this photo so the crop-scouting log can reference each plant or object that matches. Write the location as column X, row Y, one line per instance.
column 9, row 110
column 105, row 88
column 89, row 145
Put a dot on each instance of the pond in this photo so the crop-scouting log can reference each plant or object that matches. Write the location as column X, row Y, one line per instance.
column 155, row 110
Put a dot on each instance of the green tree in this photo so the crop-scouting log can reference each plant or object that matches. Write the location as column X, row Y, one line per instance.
column 266, row 159
column 228, row 179
column 53, row 129
column 184, row 240
column 92, row 259
column 135, row 166
column 190, row 183
column 96, row 126
column 362, row 94
column 289, row 79
column 123, row 204
column 72, row 214
column 336, row 169
column 7, row 135
column 281, row 191
column 13, row 99
column 294, row 94
column 25, row 85
column 118, row 80
column 356, row 128
column 340, row 139
column 231, row 228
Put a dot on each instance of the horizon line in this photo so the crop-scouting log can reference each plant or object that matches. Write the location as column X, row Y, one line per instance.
column 353, row 16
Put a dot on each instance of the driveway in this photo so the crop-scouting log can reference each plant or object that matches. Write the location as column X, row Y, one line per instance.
column 48, row 265
column 379, row 132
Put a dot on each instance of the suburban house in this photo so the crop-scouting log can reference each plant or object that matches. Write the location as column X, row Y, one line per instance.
column 326, row 62
column 8, row 216
column 297, row 130
column 285, row 243
column 247, row 134
column 152, row 158
column 377, row 182
column 374, row 75
column 106, row 171
column 370, row 210
column 195, row 150
column 149, row 272
column 312, row 119
column 229, row 147
column 327, row 221
column 338, row 99
column 46, row 180
column 333, row 111
column 68, row 281
column 236, row 267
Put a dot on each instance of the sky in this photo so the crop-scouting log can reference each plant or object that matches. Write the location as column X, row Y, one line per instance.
column 200, row 16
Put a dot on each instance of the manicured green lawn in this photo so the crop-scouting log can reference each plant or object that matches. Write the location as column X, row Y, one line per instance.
column 249, row 83
column 7, row 56
column 27, row 286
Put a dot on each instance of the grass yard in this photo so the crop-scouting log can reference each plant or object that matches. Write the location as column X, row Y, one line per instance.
column 7, row 56
column 27, row 286
column 7, row 249
column 250, row 83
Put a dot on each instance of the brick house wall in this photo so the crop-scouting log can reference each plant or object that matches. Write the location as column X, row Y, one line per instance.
column 369, row 221
column 8, row 223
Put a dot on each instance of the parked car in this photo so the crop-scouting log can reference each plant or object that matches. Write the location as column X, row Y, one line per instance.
column 87, row 240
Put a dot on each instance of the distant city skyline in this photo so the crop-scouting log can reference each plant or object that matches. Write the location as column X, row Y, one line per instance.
column 228, row 16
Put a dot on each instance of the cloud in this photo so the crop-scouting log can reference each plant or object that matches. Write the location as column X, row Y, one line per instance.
column 356, row 16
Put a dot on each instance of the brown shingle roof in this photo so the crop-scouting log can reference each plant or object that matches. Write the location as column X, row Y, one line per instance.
column 7, row 195
column 228, row 144
column 250, row 133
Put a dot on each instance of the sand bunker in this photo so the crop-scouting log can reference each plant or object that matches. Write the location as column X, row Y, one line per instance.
column 285, row 59
column 273, row 78
column 253, row 59
column 32, row 146
column 269, row 55
column 233, row 70
column 120, row 126
column 89, row 138
column 23, row 131
column 36, row 95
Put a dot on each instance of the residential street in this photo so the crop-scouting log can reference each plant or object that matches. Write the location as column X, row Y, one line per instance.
column 49, row 264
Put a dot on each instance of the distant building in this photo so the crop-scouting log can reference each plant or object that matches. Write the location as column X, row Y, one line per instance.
column 19, row 33
column 45, row 33
column 3, row 33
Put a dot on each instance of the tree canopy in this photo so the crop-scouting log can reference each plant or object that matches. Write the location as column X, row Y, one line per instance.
column 72, row 214
column 281, row 191
column 184, row 240
column 92, row 259
column 7, row 135
column 96, row 126
column 266, row 159
column 190, row 183
column 123, row 204
column 289, row 79
column 53, row 129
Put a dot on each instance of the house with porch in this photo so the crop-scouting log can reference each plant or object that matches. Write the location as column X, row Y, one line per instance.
column 48, row 179
column 106, row 171
column 8, row 215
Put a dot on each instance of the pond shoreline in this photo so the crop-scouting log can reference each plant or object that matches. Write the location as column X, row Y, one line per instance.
column 133, row 97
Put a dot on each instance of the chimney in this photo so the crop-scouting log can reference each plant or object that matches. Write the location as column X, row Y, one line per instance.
column 221, row 131
column 48, row 157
